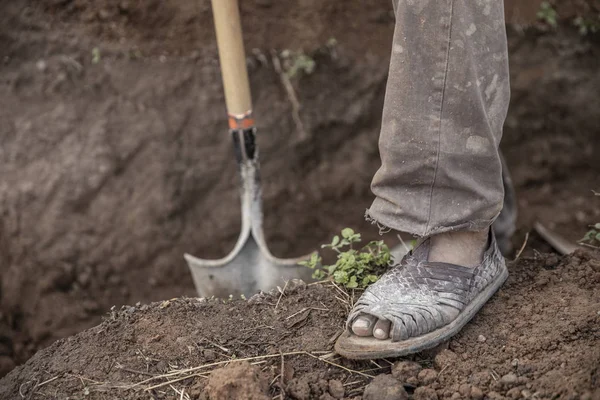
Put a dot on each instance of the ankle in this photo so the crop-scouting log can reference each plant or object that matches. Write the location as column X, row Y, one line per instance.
column 464, row 248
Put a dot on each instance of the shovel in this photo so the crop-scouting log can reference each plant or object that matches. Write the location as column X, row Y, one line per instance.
column 250, row 267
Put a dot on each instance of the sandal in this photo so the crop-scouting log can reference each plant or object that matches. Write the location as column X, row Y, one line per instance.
column 409, row 296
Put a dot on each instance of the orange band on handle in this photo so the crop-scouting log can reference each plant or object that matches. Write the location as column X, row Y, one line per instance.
column 244, row 121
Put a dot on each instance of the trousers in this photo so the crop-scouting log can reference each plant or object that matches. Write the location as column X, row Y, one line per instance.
column 446, row 101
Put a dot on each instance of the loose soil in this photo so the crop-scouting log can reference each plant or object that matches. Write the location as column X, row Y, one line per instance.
column 537, row 338
column 115, row 158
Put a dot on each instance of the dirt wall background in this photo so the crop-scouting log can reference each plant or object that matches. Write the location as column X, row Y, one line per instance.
column 115, row 158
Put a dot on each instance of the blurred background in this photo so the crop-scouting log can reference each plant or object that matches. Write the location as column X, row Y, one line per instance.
column 115, row 157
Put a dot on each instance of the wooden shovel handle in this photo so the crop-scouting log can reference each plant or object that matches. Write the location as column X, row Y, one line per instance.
column 233, row 63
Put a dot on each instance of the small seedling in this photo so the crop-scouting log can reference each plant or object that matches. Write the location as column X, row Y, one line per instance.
column 548, row 14
column 353, row 268
column 296, row 62
column 587, row 26
column 592, row 236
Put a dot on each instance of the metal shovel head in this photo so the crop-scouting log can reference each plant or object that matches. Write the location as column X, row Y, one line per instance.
column 250, row 267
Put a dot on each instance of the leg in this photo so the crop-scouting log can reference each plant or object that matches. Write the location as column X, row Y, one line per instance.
column 446, row 101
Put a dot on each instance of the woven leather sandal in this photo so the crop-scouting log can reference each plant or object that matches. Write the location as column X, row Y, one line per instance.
column 410, row 296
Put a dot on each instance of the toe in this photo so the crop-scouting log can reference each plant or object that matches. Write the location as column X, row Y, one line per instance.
column 363, row 326
column 382, row 329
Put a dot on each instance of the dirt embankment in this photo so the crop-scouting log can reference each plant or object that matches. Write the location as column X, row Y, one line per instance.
column 537, row 338
column 115, row 158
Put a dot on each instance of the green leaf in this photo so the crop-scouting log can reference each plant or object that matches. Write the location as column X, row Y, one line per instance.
column 341, row 277
column 589, row 235
column 598, row 236
column 347, row 232
column 352, row 284
column 318, row 274
column 335, row 241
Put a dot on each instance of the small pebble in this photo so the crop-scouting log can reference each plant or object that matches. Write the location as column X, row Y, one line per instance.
column 336, row 389
column 444, row 359
column 509, row 379
column 404, row 370
column 515, row 362
column 476, row 393
column 465, row 390
column 413, row 381
column 481, row 338
column 494, row 396
column 514, row 393
column 551, row 261
column 425, row 393
column 41, row 65
column 427, row 376
column 209, row 355
column 384, row 387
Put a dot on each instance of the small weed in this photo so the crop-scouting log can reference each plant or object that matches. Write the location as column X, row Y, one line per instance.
column 587, row 26
column 593, row 235
column 353, row 268
column 548, row 14
column 296, row 62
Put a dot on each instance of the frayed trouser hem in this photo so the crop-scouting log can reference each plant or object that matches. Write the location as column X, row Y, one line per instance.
column 386, row 225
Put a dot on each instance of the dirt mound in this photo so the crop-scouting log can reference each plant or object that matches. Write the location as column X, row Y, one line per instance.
column 115, row 158
column 537, row 338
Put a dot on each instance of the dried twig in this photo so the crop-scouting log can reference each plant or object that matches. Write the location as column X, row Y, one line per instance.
column 403, row 243
column 291, row 93
column 522, row 247
column 340, row 366
column 180, row 375
column 281, row 379
column 281, row 295
column 174, row 381
column 304, row 309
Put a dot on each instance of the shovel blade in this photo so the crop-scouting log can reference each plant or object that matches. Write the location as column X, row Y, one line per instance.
column 250, row 267
column 246, row 271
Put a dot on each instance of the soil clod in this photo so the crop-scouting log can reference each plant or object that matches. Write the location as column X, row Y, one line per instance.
column 385, row 387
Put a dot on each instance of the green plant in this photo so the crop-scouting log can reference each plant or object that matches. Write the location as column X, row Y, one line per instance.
column 353, row 268
column 593, row 235
column 548, row 14
column 587, row 25
column 296, row 62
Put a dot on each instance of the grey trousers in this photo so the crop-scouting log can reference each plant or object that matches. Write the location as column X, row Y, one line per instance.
column 446, row 100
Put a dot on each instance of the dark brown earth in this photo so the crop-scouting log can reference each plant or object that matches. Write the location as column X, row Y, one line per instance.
column 537, row 338
column 112, row 169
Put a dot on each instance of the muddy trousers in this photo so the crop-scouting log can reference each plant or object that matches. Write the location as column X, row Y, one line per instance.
column 446, row 100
